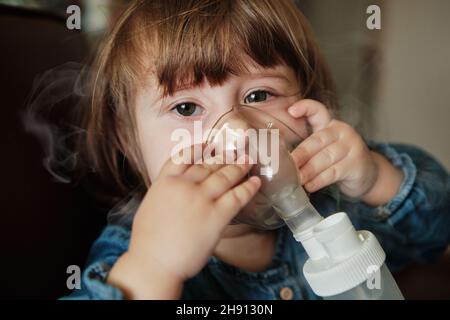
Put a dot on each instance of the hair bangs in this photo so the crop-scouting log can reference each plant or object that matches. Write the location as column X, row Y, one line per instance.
column 210, row 41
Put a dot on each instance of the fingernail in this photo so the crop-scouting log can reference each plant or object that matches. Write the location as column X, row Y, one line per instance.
column 255, row 180
column 291, row 111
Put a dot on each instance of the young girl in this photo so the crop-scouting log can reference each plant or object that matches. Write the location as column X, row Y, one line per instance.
column 169, row 63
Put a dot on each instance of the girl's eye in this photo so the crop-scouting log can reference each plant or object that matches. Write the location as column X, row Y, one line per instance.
column 257, row 96
column 187, row 109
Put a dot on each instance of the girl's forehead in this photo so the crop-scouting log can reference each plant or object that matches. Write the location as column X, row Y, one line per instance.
column 278, row 71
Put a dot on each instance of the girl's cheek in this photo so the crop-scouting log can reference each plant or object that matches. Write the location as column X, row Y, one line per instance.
column 155, row 154
column 155, row 146
column 298, row 126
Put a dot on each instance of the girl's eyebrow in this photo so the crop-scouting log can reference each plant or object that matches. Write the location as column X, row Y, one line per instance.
column 251, row 76
column 268, row 75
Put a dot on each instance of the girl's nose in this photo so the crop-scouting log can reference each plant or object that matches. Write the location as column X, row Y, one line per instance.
column 236, row 117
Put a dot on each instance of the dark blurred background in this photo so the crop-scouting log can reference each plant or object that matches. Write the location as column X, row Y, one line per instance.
column 392, row 85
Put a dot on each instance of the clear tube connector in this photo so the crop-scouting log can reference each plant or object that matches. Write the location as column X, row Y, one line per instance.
column 293, row 206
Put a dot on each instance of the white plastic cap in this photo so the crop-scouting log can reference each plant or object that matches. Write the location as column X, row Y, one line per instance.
column 350, row 259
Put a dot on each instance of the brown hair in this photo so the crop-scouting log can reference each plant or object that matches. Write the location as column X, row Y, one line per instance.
column 183, row 43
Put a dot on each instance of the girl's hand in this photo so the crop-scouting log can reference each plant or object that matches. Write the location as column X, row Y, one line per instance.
column 178, row 225
column 336, row 153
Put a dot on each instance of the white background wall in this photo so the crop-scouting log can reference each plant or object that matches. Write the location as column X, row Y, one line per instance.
column 394, row 84
column 413, row 99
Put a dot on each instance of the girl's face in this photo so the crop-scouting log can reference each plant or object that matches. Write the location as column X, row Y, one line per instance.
column 273, row 90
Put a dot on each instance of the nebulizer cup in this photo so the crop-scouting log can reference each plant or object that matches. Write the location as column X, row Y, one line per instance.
column 268, row 142
column 343, row 263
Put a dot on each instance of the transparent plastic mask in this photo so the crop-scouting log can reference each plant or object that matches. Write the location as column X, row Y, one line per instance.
column 268, row 142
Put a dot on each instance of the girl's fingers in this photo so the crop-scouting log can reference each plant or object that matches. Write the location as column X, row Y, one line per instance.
column 180, row 161
column 326, row 178
column 205, row 167
column 312, row 145
column 199, row 172
column 324, row 159
column 316, row 113
column 224, row 179
column 229, row 204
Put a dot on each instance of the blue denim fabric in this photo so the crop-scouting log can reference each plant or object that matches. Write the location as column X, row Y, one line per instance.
column 413, row 227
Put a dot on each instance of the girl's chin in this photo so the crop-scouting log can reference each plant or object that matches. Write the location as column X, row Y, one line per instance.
column 235, row 230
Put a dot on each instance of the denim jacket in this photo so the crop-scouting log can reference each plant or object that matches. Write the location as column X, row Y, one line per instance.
column 413, row 227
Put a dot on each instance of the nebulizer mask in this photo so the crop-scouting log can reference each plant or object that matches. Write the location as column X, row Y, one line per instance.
column 342, row 261
column 268, row 142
